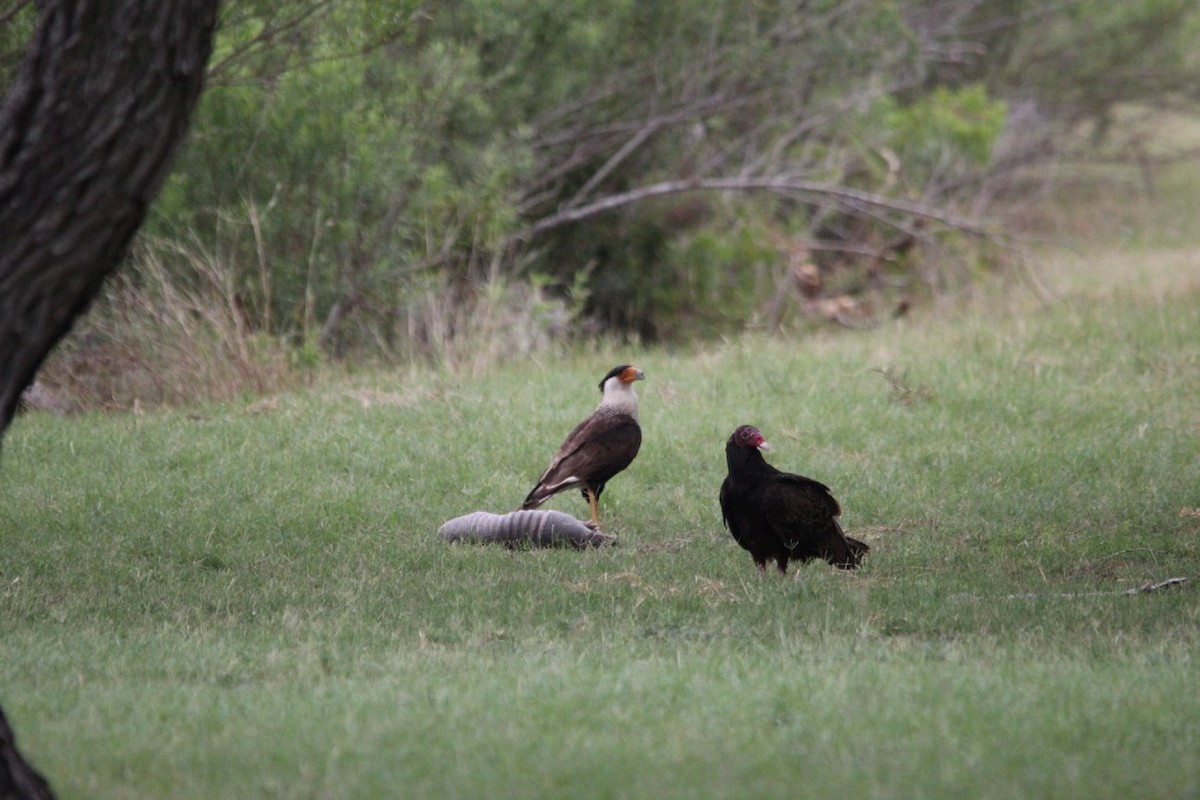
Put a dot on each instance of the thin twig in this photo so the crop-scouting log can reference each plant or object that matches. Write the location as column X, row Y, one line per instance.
column 1145, row 588
column 7, row 16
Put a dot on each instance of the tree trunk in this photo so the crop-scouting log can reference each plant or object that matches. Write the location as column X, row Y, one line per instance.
column 18, row 780
column 101, row 100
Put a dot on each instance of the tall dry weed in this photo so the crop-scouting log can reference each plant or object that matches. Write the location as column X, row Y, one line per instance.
column 484, row 325
column 168, row 330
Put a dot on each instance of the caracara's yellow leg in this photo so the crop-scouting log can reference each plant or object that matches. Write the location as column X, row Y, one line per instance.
column 592, row 505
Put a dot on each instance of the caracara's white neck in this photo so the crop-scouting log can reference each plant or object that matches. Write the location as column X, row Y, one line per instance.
column 619, row 396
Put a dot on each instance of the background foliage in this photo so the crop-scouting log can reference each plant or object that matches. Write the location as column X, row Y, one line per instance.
column 408, row 180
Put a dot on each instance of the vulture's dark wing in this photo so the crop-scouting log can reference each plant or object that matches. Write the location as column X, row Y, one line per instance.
column 803, row 514
column 735, row 514
column 732, row 513
column 800, row 512
column 725, row 500
column 796, row 500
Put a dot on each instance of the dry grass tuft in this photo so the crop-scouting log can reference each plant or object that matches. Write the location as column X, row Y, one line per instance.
column 470, row 330
column 154, row 339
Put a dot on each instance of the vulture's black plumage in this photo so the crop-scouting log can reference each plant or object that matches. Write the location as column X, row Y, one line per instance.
column 780, row 516
column 599, row 447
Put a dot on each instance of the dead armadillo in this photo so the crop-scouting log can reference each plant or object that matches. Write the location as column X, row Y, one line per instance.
column 528, row 528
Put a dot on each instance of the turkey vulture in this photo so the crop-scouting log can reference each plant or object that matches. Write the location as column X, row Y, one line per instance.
column 778, row 515
column 601, row 446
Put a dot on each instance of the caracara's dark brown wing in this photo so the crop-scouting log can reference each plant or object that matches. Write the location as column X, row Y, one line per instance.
column 802, row 514
column 598, row 448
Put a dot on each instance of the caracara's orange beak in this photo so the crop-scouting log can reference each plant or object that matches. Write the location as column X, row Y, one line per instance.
column 632, row 374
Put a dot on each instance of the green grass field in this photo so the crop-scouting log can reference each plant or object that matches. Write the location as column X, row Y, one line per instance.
column 248, row 600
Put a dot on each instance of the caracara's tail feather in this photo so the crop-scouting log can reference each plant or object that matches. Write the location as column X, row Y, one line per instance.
column 543, row 492
column 533, row 500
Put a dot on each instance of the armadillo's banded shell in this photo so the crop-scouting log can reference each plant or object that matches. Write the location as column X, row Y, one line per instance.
column 528, row 528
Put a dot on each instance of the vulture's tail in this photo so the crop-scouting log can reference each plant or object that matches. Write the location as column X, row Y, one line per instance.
column 847, row 553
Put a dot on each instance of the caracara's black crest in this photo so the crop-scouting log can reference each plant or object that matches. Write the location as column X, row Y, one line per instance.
column 614, row 372
column 599, row 447
column 779, row 516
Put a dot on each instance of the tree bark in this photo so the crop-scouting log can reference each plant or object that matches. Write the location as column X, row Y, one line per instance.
column 18, row 780
column 101, row 100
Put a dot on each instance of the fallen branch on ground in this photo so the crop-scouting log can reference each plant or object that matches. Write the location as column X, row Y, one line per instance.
column 1145, row 588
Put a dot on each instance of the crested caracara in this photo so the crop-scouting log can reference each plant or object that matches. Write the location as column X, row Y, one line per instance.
column 601, row 446
column 777, row 515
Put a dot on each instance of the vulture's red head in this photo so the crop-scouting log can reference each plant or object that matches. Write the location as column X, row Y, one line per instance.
column 625, row 373
column 749, row 436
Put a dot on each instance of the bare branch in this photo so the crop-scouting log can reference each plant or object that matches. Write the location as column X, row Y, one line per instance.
column 265, row 38
column 778, row 185
column 606, row 169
